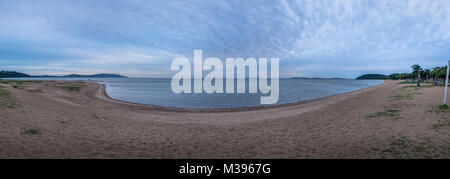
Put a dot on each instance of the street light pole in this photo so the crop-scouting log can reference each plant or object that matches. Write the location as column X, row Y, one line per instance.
column 446, row 83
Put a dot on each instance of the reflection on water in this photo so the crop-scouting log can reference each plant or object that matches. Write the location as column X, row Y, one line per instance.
column 157, row 91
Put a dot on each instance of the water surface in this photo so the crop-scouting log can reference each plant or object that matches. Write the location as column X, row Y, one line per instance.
column 157, row 91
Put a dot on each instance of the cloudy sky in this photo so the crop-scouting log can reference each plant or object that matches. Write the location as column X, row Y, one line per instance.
column 139, row 38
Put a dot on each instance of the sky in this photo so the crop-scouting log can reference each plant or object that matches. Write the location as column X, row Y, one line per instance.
column 140, row 38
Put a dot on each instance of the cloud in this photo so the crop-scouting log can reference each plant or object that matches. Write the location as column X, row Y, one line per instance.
column 141, row 35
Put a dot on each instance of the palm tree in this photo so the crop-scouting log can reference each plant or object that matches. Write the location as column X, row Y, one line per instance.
column 435, row 75
column 417, row 68
column 427, row 73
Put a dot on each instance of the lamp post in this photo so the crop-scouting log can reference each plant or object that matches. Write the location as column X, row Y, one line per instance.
column 446, row 83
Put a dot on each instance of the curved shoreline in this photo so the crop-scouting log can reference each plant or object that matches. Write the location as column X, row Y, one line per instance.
column 77, row 120
column 238, row 109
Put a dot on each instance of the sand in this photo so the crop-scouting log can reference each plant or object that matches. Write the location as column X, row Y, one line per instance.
column 52, row 119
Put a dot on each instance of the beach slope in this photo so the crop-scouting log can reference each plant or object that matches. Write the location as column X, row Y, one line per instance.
column 61, row 119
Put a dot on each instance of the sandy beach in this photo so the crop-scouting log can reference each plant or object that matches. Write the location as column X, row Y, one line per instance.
column 61, row 119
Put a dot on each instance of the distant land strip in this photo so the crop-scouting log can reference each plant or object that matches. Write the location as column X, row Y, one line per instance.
column 14, row 74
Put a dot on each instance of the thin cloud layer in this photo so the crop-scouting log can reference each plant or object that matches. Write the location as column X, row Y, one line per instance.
column 321, row 38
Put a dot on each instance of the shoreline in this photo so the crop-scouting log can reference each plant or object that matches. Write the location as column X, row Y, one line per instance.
column 249, row 108
column 197, row 110
column 76, row 120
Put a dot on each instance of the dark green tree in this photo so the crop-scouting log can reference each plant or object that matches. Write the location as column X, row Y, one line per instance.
column 416, row 70
column 426, row 74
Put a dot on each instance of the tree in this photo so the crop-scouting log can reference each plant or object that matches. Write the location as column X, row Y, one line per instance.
column 416, row 69
column 438, row 74
column 426, row 73
column 394, row 76
column 372, row 77
column 442, row 72
column 12, row 74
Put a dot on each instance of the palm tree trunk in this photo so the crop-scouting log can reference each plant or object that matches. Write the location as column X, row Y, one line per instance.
column 418, row 78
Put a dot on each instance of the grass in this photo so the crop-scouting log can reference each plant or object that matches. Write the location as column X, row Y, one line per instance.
column 35, row 91
column 399, row 97
column 445, row 121
column 32, row 131
column 439, row 109
column 6, row 99
column 71, row 88
column 408, row 92
column 443, row 107
column 414, row 87
column 402, row 147
column 392, row 113
column 441, row 124
column 423, row 86
column 5, row 81
column 70, row 82
column 19, row 82
column 96, row 116
column 411, row 82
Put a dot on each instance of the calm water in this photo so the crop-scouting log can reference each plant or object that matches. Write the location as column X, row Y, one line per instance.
column 155, row 91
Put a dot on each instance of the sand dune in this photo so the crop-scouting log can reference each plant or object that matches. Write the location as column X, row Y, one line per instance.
column 53, row 119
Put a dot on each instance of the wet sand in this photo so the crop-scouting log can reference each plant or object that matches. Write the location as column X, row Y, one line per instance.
column 51, row 119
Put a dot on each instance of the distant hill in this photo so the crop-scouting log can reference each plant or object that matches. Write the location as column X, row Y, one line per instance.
column 372, row 77
column 101, row 75
column 12, row 74
column 318, row 78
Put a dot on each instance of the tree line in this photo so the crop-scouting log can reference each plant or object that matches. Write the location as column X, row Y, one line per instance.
column 418, row 74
